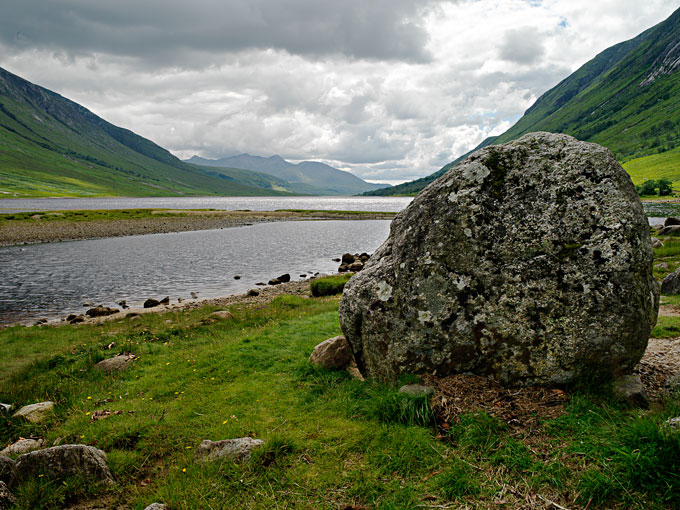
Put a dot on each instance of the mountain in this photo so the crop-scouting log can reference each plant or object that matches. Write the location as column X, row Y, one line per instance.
column 312, row 177
column 627, row 98
column 51, row 146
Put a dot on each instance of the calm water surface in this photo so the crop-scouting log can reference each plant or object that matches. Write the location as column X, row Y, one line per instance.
column 52, row 280
column 381, row 204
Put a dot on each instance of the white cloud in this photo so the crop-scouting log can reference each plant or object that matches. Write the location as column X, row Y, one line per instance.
column 389, row 89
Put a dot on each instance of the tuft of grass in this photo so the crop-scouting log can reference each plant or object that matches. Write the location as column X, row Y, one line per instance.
column 330, row 285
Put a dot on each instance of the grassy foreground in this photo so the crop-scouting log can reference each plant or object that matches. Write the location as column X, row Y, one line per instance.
column 332, row 440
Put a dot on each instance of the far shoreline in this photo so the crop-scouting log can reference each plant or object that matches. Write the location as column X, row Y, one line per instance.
column 58, row 226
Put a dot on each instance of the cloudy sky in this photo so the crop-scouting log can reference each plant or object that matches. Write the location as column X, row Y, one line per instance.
column 388, row 89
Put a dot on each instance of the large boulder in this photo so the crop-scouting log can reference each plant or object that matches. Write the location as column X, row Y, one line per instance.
column 529, row 262
column 86, row 462
column 7, row 499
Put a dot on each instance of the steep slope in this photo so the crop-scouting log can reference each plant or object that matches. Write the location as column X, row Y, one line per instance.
column 627, row 98
column 318, row 178
column 52, row 146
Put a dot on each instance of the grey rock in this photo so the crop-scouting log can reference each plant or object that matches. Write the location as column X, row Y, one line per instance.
column 332, row 353
column 35, row 413
column 630, row 388
column 671, row 283
column 151, row 303
column 4, row 408
column 672, row 424
column 115, row 364
column 238, row 450
column 672, row 384
column 156, row 506
column 347, row 258
column 656, row 242
column 669, row 230
column 671, row 221
column 62, row 461
column 221, row 314
column 356, row 266
column 7, row 469
column 416, row 390
column 662, row 265
column 23, row 446
column 101, row 311
column 7, row 499
column 529, row 262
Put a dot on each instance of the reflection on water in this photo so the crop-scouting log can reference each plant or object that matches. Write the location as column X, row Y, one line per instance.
column 381, row 204
column 53, row 280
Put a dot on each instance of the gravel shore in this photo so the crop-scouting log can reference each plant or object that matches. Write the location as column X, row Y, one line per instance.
column 47, row 231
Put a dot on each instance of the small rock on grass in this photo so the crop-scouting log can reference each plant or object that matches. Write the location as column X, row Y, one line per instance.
column 631, row 389
column 156, row 506
column 35, row 413
column 63, row 461
column 238, row 450
column 673, row 424
column 221, row 314
column 7, row 499
column 332, row 353
column 4, row 408
column 117, row 363
column 23, row 446
column 416, row 390
column 656, row 242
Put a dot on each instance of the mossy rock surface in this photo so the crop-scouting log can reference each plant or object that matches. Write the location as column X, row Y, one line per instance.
column 529, row 262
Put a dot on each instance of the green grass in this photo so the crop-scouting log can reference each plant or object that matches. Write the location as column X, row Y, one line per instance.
column 656, row 166
column 330, row 285
column 332, row 441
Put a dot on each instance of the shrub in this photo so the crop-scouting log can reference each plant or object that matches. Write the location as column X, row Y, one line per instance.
column 330, row 285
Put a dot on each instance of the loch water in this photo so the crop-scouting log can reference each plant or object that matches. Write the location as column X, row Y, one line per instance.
column 53, row 280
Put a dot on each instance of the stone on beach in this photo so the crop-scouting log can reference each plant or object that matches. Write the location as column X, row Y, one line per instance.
column 101, row 311
column 530, row 263
column 151, row 303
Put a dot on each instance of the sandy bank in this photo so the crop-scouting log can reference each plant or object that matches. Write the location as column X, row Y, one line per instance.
column 44, row 231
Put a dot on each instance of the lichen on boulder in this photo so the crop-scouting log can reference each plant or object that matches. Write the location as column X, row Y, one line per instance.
column 529, row 263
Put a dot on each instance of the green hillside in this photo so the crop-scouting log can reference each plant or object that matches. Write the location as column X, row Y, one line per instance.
column 627, row 98
column 51, row 146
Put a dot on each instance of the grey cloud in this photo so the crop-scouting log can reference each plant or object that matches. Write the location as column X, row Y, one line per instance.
column 522, row 45
column 176, row 33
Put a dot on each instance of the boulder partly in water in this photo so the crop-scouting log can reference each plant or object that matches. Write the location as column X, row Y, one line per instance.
column 529, row 262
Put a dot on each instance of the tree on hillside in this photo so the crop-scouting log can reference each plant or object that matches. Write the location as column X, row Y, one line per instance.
column 647, row 188
column 665, row 186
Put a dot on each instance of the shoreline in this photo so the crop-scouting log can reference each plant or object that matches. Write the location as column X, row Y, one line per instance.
column 266, row 295
column 38, row 230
